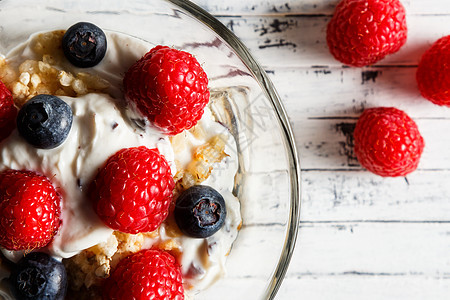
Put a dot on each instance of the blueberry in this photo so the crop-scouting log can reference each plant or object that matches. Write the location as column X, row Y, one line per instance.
column 84, row 44
column 200, row 211
column 45, row 121
column 38, row 276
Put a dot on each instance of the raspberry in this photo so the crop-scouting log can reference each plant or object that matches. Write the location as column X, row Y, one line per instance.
column 387, row 142
column 433, row 72
column 169, row 87
column 30, row 210
column 8, row 112
column 133, row 191
column 362, row 32
column 147, row 274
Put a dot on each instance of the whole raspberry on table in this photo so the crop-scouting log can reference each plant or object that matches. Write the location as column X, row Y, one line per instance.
column 362, row 32
column 132, row 192
column 387, row 142
column 433, row 72
column 30, row 209
column 8, row 112
column 147, row 274
column 169, row 87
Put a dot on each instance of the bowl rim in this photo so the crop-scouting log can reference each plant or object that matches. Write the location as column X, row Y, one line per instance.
column 293, row 158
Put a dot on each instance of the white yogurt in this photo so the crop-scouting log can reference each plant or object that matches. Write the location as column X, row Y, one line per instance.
column 98, row 131
column 101, row 127
column 203, row 260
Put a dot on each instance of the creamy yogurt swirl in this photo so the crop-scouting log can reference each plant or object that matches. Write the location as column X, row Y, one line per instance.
column 102, row 125
column 98, row 131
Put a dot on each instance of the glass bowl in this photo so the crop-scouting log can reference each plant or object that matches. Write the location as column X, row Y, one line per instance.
column 267, row 182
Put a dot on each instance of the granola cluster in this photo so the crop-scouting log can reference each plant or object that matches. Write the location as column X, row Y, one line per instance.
column 203, row 159
column 46, row 74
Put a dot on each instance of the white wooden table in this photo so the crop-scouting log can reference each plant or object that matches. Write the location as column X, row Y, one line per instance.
column 361, row 236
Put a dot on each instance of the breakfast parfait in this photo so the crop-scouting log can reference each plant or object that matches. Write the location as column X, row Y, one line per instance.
column 116, row 177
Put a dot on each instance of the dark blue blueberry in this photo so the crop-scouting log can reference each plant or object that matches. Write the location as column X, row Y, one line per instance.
column 84, row 44
column 38, row 276
column 200, row 211
column 45, row 121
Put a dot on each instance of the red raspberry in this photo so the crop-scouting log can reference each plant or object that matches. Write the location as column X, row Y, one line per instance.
column 433, row 73
column 30, row 210
column 8, row 112
column 169, row 87
column 147, row 274
column 387, row 142
column 362, row 32
column 133, row 191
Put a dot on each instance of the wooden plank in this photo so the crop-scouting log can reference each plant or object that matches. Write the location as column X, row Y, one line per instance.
column 293, row 41
column 323, row 92
column 283, row 7
column 349, row 248
column 329, row 249
column 357, row 196
column 364, row 287
column 406, row 249
column 338, row 288
column 324, row 103
column 349, row 196
column 327, row 144
column 365, row 197
column 325, row 121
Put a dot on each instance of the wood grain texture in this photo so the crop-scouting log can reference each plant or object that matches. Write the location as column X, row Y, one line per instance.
column 357, row 286
column 347, row 286
column 300, row 40
column 306, row 7
column 361, row 236
column 360, row 196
